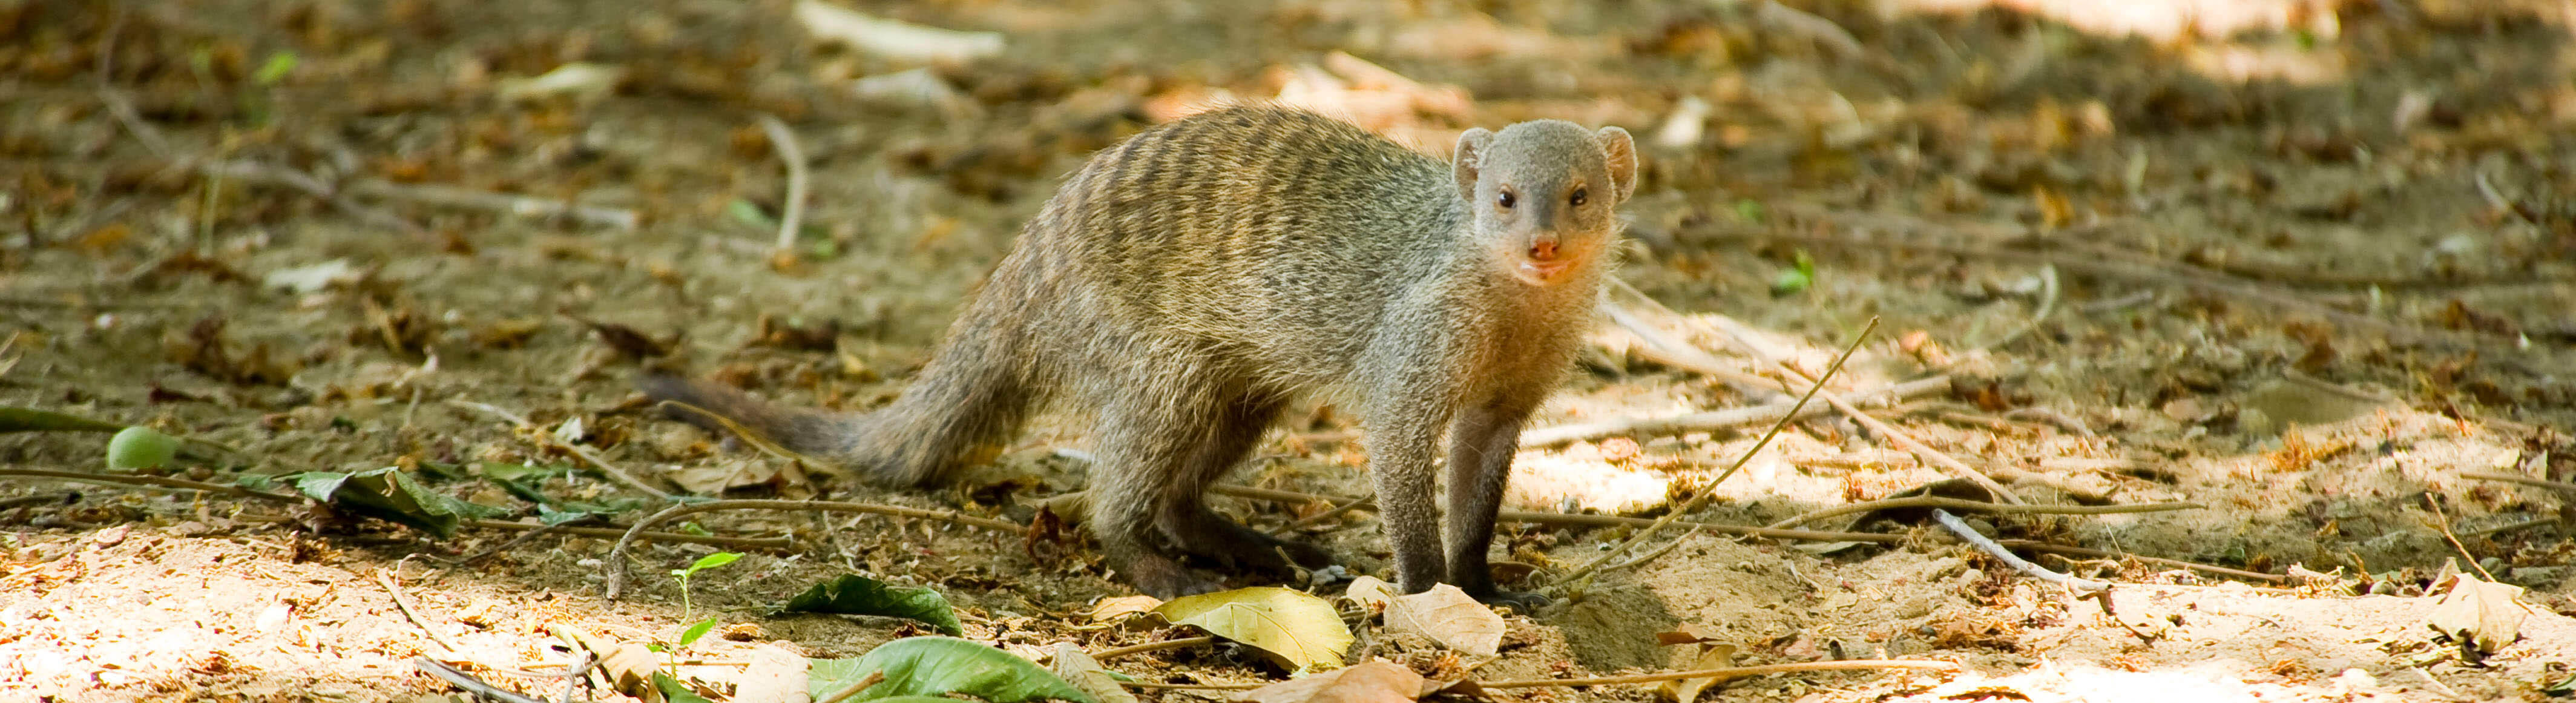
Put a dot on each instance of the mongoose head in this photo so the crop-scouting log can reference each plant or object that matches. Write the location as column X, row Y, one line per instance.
column 1540, row 194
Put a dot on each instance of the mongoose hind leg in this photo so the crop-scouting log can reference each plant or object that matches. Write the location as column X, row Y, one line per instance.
column 1198, row 531
column 1145, row 442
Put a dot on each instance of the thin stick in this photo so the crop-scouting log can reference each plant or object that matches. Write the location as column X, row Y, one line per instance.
column 1732, row 672
column 1663, row 349
column 1880, row 428
column 1960, row 504
column 2509, row 527
column 770, row 543
column 1318, row 518
column 2051, row 417
column 873, row 678
column 1152, row 647
column 2443, row 523
column 2568, row 488
column 543, row 438
column 617, row 555
column 2006, row 556
column 1572, row 520
column 478, row 687
column 65, row 498
column 1582, row 574
column 521, row 205
column 159, row 481
column 792, row 212
column 2089, row 553
column 384, row 577
column 1715, row 420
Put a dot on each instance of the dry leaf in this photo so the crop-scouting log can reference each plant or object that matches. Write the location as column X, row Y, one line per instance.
column 1299, row 629
column 1367, row 682
column 1116, row 608
column 2484, row 613
column 1711, row 656
column 775, row 675
column 1447, row 616
column 1370, row 592
column 1078, row 668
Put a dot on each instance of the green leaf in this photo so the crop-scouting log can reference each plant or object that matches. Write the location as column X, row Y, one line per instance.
column 140, row 448
column 389, row 494
column 691, row 635
column 275, row 69
column 711, row 561
column 1748, row 210
column 852, row 594
column 1797, row 278
column 1299, row 629
column 750, row 213
column 934, row 666
column 674, row 691
column 17, row 419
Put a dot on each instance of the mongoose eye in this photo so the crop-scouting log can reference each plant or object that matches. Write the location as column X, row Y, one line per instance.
column 1577, row 198
column 1504, row 200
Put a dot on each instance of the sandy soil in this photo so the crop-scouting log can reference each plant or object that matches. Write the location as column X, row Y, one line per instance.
column 2307, row 271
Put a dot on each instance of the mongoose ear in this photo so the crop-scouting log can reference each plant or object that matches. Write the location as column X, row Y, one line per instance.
column 1469, row 159
column 1622, row 154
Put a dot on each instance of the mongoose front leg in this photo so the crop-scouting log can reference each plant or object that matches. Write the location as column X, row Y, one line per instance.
column 1481, row 446
column 1402, row 432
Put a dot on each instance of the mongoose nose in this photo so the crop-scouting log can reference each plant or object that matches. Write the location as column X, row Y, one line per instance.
column 1544, row 250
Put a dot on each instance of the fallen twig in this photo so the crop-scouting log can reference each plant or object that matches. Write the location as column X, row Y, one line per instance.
column 2442, row 523
column 521, row 205
column 384, row 577
column 1716, row 419
column 2560, row 486
column 541, row 437
column 791, row 213
column 1960, row 504
column 2051, row 417
column 160, row 481
column 2089, row 553
column 1105, row 654
column 1970, row 534
column 1530, row 517
column 1580, row 574
column 1663, row 349
column 617, row 555
column 64, row 498
column 1901, row 439
column 2511, row 526
column 480, row 688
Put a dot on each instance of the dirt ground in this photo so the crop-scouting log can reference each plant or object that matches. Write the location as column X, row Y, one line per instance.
column 2307, row 264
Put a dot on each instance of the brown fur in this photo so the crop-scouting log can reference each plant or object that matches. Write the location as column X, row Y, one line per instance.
column 1188, row 283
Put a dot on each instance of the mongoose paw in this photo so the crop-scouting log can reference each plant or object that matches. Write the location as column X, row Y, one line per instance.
column 1166, row 579
column 1523, row 601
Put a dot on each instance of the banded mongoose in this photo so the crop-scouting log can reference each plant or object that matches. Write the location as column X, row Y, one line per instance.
column 1186, row 284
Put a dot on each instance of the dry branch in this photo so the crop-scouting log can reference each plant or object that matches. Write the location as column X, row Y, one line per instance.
column 2006, row 556
column 1960, row 504
column 1716, row 419
column 1580, row 574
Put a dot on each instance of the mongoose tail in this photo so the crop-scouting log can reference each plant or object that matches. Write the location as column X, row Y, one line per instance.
column 958, row 412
